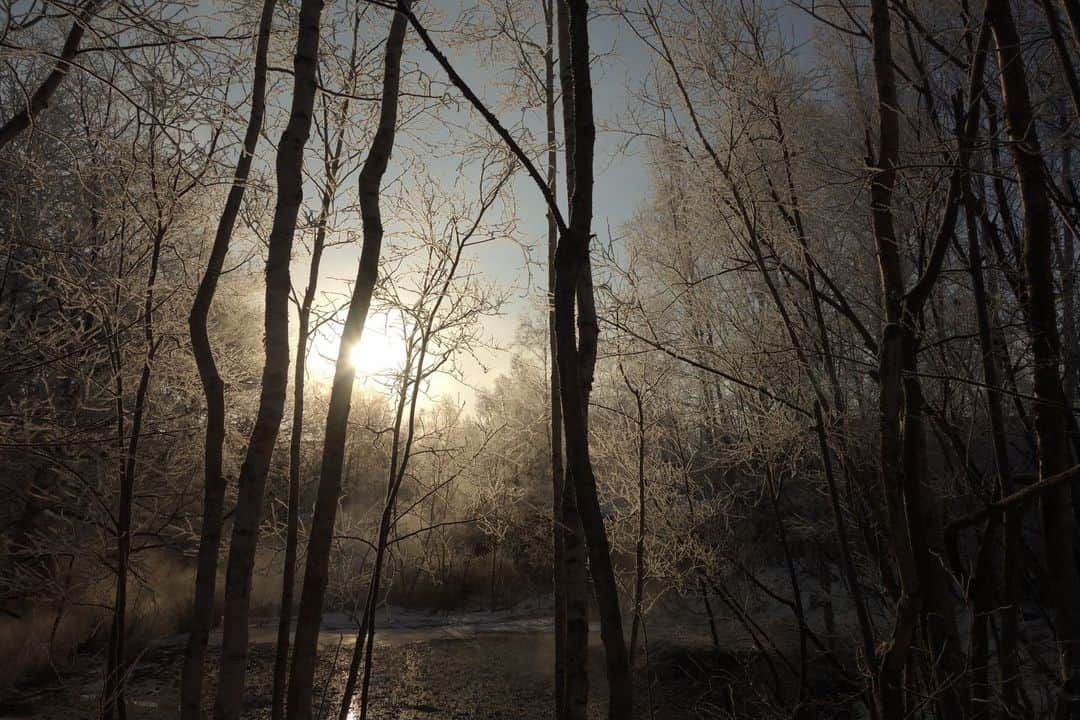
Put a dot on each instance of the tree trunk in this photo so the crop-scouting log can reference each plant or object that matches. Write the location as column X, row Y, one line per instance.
column 322, row 527
column 571, row 275
column 558, row 477
column 1072, row 9
column 639, row 548
column 116, row 673
column 894, row 346
column 1053, row 24
column 214, row 390
column 1009, row 592
column 1050, row 409
column 252, row 480
column 576, row 574
column 332, row 166
column 400, row 454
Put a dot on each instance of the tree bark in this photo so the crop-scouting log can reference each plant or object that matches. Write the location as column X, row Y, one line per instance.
column 316, row 569
column 214, row 391
column 982, row 584
column 575, row 570
column 116, row 673
column 1072, row 9
column 902, row 462
column 558, row 476
column 1053, row 24
column 1049, row 408
column 251, row 483
column 639, row 548
column 332, row 166
column 571, row 269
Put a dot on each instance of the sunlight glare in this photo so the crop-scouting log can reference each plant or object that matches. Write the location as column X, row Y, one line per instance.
column 379, row 352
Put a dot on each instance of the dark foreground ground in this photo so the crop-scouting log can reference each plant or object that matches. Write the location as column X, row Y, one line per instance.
column 486, row 670
column 459, row 672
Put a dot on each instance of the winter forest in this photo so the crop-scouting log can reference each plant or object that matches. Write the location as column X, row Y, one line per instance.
column 477, row 359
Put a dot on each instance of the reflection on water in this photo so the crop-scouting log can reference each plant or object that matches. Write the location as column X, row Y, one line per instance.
column 464, row 672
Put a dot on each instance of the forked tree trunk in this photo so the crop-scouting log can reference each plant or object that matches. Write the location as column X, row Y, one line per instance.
column 251, row 483
column 890, row 358
column 924, row 592
column 360, row 667
column 571, row 263
column 575, row 691
column 214, row 389
column 573, row 278
column 316, row 569
column 412, row 379
column 1050, row 408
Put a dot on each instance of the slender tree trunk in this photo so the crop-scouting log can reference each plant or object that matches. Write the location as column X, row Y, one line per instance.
column 252, row 480
column 1009, row 592
column 945, row 676
column 639, row 549
column 365, row 639
column 847, row 561
column 292, row 530
column 43, row 95
column 214, row 390
column 890, row 358
column 1050, row 408
column 924, row 591
column 898, row 452
column 1069, row 297
column 116, row 362
column 400, row 455
column 797, row 607
column 116, row 674
column 332, row 166
column 558, row 477
column 322, row 527
column 572, row 274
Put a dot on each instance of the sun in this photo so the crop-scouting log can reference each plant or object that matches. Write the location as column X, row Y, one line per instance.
column 379, row 353
column 357, row 355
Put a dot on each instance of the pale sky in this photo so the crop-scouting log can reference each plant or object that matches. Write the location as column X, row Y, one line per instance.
column 621, row 186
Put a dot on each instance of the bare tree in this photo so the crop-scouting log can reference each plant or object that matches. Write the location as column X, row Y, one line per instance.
column 443, row 306
column 1050, row 407
column 326, row 503
column 252, row 479
column 333, row 161
column 214, row 389
column 37, row 102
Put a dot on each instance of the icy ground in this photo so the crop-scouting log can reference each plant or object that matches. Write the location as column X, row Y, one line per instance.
column 466, row 666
